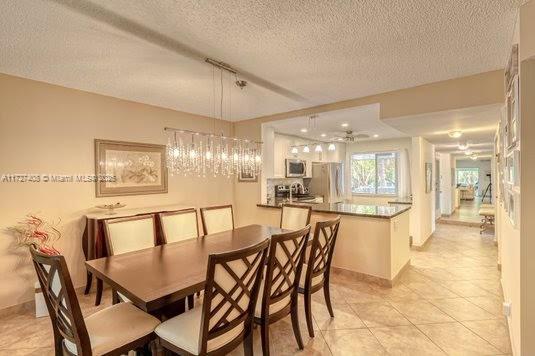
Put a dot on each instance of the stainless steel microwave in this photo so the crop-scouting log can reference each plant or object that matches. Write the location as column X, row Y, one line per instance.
column 295, row 168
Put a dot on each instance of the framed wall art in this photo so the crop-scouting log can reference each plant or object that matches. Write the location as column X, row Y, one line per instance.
column 428, row 177
column 247, row 177
column 129, row 168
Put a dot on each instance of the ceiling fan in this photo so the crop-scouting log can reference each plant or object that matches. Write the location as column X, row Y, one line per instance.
column 349, row 136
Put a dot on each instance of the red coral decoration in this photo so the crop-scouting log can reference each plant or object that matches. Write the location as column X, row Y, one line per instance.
column 36, row 231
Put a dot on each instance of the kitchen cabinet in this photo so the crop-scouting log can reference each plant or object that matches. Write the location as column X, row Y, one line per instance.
column 283, row 144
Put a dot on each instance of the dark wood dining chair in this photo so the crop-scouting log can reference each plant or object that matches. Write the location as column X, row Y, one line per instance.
column 179, row 225
column 217, row 218
column 225, row 318
column 129, row 234
column 111, row 331
column 278, row 292
column 294, row 216
column 318, row 267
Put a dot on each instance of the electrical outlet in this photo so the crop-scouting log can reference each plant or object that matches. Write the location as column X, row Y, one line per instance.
column 507, row 308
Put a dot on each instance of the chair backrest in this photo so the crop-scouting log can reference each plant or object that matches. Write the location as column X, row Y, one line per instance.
column 321, row 252
column 60, row 297
column 232, row 284
column 130, row 234
column 295, row 217
column 283, row 269
column 179, row 225
column 217, row 218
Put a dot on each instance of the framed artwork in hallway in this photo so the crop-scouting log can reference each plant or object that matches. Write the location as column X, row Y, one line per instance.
column 428, row 177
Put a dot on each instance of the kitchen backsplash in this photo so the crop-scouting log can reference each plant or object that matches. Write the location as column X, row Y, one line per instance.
column 272, row 182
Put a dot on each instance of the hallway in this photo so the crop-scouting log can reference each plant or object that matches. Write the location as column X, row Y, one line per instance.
column 466, row 214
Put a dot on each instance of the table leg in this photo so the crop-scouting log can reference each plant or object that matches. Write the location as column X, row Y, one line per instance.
column 88, row 283
column 99, row 292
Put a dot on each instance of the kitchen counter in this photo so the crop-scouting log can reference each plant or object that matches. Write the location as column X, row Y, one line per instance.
column 403, row 200
column 373, row 211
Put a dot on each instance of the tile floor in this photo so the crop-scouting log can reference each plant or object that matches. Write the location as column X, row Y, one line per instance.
column 467, row 213
column 448, row 302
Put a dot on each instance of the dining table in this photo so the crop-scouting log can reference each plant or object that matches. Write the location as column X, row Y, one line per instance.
column 158, row 279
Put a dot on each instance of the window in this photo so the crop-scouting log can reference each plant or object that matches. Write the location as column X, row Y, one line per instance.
column 374, row 173
column 467, row 176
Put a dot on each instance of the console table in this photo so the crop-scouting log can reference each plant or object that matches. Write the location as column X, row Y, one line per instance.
column 94, row 243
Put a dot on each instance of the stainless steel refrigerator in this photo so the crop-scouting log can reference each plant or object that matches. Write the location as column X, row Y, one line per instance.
column 328, row 181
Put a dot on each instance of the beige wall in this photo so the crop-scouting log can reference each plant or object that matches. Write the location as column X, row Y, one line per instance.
column 527, row 188
column 480, row 89
column 50, row 129
column 517, row 246
column 423, row 202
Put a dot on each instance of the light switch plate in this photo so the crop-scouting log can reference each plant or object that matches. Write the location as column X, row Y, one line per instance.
column 507, row 308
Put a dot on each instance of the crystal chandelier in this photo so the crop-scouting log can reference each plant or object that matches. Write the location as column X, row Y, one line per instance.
column 201, row 154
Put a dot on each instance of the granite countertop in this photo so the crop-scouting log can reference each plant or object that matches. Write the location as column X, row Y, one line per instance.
column 373, row 211
column 402, row 200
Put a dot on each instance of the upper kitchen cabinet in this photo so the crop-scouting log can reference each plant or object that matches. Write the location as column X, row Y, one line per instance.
column 282, row 149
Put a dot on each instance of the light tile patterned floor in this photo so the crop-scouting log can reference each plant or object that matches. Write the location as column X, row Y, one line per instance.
column 448, row 302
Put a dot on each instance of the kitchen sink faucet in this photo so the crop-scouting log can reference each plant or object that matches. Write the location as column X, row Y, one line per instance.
column 297, row 184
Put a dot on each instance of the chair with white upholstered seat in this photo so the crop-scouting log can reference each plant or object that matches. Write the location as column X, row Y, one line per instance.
column 127, row 235
column 179, row 225
column 278, row 291
column 318, row 267
column 295, row 217
column 111, row 331
column 217, row 218
column 225, row 318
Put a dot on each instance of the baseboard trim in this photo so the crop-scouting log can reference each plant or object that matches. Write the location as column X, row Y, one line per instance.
column 395, row 280
column 362, row 276
column 423, row 246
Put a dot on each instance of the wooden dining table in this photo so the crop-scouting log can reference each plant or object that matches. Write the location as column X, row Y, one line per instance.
column 160, row 277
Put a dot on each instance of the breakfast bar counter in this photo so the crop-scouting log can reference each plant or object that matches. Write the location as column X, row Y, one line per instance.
column 352, row 209
column 373, row 240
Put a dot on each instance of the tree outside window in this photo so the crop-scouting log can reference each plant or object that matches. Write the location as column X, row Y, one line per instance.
column 374, row 173
column 468, row 176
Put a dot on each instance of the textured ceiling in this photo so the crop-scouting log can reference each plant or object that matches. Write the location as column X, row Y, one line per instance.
column 295, row 53
column 361, row 120
column 478, row 125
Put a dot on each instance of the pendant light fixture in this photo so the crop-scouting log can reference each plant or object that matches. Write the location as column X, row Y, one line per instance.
column 306, row 149
column 318, row 148
column 201, row 153
column 331, row 147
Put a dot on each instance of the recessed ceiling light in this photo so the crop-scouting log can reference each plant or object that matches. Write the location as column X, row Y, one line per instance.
column 376, row 135
column 323, row 135
column 455, row 134
column 467, row 153
column 340, row 139
column 345, row 124
column 304, row 130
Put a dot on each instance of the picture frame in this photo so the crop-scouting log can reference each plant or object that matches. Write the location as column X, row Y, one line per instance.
column 129, row 168
column 247, row 177
column 428, row 177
